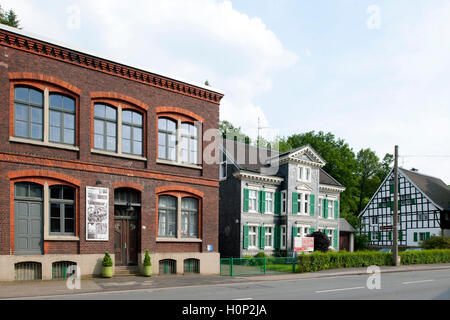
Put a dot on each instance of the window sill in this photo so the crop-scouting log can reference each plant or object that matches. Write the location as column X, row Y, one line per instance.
column 61, row 238
column 177, row 164
column 44, row 144
column 178, row 240
column 119, row 155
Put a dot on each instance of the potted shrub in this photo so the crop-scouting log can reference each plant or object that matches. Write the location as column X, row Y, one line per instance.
column 107, row 264
column 147, row 265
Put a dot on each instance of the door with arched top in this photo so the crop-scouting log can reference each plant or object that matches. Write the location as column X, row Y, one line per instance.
column 127, row 212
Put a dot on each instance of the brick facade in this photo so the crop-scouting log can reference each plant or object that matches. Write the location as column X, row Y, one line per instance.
column 23, row 63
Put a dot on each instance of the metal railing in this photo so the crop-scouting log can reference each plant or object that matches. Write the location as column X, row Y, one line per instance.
column 59, row 269
column 28, row 271
column 255, row 266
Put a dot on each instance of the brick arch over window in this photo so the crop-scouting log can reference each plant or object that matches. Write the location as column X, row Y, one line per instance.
column 120, row 98
column 129, row 185
column 179, row 189
column 41, row 175
column 177, row 113
column 36, row 78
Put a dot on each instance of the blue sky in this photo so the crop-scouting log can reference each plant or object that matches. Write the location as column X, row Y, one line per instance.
column 299, row 65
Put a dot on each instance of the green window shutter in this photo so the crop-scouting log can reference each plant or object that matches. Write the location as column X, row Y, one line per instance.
column 312, row 204
column 277, row 203
column 325, row 232
column 413, row 201
column 311, row 230
column 391, row 187
column 294, row 202
column 428, row 235
column 277, row 240
column 336, row 244
column 325, row 208
column 390, row 235
column 415, row 236
column 369, row 235
column 379, row 235
column 262, row 201
column 262, row 234
column 246, row 200
column 245, row 237
column 400, row 235
column 336, row 209
column 294, row 234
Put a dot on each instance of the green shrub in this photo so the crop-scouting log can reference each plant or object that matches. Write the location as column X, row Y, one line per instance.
column 147, row 260
column 361, row 242
column 107, row 261
column 261, row 255
column 317, row 261
column 436, row 242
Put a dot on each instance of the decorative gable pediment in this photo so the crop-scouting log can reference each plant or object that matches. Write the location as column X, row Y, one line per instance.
column 307, row 155
column 304, row 187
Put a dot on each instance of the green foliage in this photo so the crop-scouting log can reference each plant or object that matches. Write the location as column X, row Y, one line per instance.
column 147, row 261
column 321, row 241
column 261, row 255
column 436, row 242
column 361, row 242
column 233, row 133
column 107, row 261
column 9, row 18
column 317, row 261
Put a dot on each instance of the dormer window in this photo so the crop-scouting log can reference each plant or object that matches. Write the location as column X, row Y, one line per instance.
column 304, row 174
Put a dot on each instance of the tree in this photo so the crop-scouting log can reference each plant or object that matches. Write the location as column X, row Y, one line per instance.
column 367, row 168
column 321, row 241
column 340, row 160
column 231, row 132
column 9, row 18
column 207, row 83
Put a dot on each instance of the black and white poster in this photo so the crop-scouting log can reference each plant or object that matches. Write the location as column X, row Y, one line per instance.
column 97, row 214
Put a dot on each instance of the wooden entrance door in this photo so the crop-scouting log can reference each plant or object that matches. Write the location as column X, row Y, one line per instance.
column 126, row 235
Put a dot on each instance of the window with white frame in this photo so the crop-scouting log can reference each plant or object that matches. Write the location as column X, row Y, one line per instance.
column 252, row 200
column 374, row 220
column 300, row 203
column 268, row 241
column 330, row 208
column 223, row 166
column 304, row 174
column 330, row 236
column 269, row 202
column 283, row 237
column 320, row 206
column 283, row 202
column 252, row 236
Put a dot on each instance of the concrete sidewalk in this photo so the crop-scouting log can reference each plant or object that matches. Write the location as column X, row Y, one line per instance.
column 14, row 289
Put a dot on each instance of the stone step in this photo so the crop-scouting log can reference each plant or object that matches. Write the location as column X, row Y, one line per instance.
column 126, row 270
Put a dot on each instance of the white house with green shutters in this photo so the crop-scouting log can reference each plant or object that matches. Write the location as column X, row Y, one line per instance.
column 261, row 211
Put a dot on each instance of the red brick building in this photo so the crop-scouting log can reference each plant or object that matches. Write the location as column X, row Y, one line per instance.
column 99, row 156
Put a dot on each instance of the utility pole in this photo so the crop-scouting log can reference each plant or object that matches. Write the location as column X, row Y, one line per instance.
column 395, row 256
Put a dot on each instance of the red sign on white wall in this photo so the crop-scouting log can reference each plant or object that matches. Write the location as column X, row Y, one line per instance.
column 305, row 244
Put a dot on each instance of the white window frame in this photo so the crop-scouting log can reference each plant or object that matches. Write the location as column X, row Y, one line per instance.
column 283, row 242
column 330, row 208
column 269, row 201
column 255, row 199
column 250, row 234
column 266, row 234
column 283, row 202
column 301, row 173
column 320, row 206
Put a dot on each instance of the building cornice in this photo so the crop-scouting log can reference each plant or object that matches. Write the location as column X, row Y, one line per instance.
column 257, row 177
column 9, row 37
column 325, row 187
column 300, row 161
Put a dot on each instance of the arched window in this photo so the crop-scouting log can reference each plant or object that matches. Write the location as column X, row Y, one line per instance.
column 167, row 216
column 189, row 143
column 62, row 210
column 28, row 113
column 132, row 132
column 105, row 127
column 62, row 119
column 167, row 138
column 189, row 218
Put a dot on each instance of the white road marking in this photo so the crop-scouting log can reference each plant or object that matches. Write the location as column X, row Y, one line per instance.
column 243, row 299
column 418, row 281
column 342, row 289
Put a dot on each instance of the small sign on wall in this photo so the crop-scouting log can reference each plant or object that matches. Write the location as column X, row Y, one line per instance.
column 305, row 244
column 97, row 214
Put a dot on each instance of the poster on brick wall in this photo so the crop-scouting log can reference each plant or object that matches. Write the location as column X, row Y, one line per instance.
column 97, row 214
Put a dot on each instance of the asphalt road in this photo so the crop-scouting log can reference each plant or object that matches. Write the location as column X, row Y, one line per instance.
column 412, row 285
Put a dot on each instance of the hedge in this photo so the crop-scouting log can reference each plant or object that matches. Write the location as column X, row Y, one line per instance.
column 333, row 260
